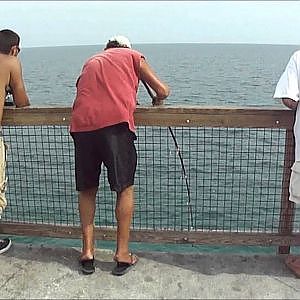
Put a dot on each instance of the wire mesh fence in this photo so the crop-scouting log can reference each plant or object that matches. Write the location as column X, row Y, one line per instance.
column 234, row 174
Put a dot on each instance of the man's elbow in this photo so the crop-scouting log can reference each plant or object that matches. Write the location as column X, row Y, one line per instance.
column 290, row 103
column 163, row 92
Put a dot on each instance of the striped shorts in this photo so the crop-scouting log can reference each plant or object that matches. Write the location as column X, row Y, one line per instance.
column 3, row 177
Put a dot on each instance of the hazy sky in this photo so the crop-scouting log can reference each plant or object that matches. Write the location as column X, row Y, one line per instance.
column 52, row 23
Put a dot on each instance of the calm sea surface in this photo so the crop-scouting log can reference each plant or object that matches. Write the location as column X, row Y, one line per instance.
column 198, row 74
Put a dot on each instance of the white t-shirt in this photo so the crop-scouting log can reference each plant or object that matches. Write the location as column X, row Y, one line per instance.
column 288, row 86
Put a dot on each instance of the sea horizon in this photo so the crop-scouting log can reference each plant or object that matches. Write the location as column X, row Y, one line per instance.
column 162, row 43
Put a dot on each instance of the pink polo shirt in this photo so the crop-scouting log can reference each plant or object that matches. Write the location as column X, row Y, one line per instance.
column 106, row 90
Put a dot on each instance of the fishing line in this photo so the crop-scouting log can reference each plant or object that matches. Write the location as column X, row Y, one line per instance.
column 181, row 160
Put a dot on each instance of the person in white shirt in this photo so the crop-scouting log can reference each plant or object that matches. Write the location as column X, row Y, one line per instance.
column 288, row 90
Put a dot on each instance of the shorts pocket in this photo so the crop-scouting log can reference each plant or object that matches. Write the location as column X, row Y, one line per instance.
column 295, row 182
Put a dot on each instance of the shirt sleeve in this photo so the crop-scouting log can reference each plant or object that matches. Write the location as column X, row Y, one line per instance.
column 288, row 84
column 137, row 57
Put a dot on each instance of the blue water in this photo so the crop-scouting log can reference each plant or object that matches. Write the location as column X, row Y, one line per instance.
column 198, row 74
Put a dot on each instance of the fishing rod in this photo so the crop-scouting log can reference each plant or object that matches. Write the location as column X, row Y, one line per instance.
column 179, row 155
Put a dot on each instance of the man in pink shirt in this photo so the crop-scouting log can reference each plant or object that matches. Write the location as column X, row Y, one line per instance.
column 103, row 130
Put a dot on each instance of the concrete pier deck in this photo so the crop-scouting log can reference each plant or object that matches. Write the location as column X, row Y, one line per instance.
column 46, row 272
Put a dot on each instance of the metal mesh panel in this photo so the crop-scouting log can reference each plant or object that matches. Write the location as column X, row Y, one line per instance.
column 238, row 174
column 40, row 172
column 235, row 178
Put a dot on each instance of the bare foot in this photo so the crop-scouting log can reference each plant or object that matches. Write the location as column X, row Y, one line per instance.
column 86, row 256
column 130, row 258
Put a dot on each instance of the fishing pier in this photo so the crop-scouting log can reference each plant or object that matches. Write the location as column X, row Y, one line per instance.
column 234, row 192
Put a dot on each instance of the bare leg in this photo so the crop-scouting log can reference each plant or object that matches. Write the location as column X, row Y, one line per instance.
column 124, row 212
column 87, row 205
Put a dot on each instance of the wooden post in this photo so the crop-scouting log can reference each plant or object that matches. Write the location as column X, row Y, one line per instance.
column 287, row 211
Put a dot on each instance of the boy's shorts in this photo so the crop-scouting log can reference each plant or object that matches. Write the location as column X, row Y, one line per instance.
column 294, row 187
column 113, row 146
column 3, row 178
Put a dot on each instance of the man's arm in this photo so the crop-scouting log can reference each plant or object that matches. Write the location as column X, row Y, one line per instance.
column 17, row 84
column 161, row 89
column 290, row 103
column 2, row 91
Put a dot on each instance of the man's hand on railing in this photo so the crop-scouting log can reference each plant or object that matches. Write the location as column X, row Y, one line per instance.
column 290, row 103
column 156, row 101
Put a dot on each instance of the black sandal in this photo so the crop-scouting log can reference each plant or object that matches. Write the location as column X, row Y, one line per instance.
column 87, row 266
column 122, row 268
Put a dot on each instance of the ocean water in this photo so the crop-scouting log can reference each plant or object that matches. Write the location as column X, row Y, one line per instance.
column 198, row 74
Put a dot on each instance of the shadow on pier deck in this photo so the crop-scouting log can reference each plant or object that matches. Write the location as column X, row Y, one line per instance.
column 44, row 272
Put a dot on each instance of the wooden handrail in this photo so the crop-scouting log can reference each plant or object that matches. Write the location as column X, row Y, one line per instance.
column 190, row 116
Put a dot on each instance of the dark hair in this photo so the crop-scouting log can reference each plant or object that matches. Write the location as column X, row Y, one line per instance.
column 8, row 39
column 114, row 44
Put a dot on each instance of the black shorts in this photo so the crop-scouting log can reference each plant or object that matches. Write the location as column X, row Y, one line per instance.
column 113, row 146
